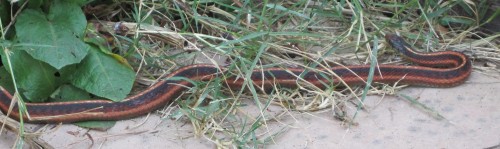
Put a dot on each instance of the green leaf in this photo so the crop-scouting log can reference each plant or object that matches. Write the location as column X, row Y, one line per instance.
column 6, row 80
column 68, row 15
column 69, row 92
column 34, row 3
column 4, row 12
column 66, row 73
column 54, row 38
column 99, row 125
column 104, row 76
column 82, row 2
column 35, row 79
column 94, row 38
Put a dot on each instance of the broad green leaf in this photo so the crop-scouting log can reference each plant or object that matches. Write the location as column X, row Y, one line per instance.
column 34, row 3
column 68, row 15
column 68, row 92
column 4, row 13
column 54, row 37
column 93, row 37
column 6, row 80
column 104, row 76
column 4, row 44
column 82, row 2
column 35, row 79
column 66, row 73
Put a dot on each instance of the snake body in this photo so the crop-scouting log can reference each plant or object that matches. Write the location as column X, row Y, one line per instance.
column 437, row 69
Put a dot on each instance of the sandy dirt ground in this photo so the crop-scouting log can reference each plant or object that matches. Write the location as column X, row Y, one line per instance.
column 471, row 112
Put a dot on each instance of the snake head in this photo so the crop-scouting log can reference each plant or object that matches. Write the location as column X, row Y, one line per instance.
column 397, row 42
